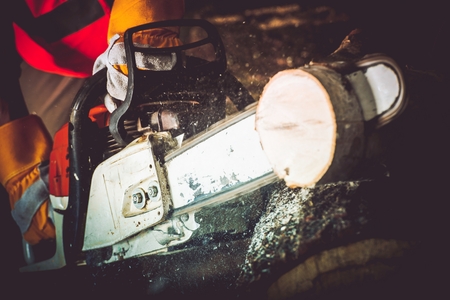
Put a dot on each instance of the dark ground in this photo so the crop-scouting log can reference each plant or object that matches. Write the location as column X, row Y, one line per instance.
column 415, row 35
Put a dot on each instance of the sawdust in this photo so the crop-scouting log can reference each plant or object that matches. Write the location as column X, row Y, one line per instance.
column 299, row 221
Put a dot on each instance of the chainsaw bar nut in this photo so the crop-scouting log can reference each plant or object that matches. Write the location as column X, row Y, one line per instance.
column 139, row 199
column 153, row 191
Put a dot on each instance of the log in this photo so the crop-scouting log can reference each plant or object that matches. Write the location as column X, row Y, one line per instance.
column 311, row 126
column 340, row 267
column 377, row 238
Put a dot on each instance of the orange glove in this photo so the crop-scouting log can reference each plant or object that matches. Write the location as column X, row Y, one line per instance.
column 23, row 172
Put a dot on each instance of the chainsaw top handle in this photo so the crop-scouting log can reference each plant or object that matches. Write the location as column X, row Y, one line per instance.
column 185, row 69
column 210, row 68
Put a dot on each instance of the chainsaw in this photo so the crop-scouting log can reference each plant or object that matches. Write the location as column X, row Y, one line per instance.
column 170, row 168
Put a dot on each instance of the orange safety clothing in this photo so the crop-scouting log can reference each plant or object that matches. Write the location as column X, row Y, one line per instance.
column 60, row 36
column 24, row 174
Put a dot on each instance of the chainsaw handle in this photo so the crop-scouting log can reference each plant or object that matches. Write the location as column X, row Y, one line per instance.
column 216, row 66
column 139, row 79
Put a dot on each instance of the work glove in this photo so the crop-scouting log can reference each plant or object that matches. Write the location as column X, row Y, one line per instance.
column 24, row 174
column 127, row 14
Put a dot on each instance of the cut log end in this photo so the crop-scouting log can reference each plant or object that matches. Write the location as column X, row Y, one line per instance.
column 297, row 127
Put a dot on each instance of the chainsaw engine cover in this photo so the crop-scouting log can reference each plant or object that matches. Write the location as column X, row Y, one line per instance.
column 126, row 195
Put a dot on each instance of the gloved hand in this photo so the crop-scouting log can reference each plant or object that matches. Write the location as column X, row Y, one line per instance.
column 24, row 174
column 127, row 14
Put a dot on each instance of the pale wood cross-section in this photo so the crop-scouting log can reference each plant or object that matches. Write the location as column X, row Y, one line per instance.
column 310, row 126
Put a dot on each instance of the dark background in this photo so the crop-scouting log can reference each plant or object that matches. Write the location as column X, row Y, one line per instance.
column 414, row 33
